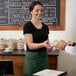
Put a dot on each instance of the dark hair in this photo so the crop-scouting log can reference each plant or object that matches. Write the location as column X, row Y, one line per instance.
column 33, row 4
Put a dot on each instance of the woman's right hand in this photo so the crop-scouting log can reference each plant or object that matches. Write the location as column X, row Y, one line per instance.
column 47, row 45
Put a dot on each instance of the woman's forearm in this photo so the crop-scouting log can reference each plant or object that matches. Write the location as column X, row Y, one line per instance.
column 36, row 45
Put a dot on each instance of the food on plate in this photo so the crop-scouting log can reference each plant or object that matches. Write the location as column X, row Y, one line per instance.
column 60, row 44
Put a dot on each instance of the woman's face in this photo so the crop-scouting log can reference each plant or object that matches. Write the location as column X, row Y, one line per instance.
column 37, row 12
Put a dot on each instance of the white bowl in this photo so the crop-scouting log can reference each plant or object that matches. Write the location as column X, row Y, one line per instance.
column 71, row 50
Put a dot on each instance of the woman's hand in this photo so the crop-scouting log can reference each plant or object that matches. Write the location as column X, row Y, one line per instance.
column 47, row 45
column 60, row 46
column 70, row 43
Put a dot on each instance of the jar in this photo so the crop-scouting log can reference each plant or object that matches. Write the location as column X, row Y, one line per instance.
column 2, row 44
column 20, row 44
column 10, row 44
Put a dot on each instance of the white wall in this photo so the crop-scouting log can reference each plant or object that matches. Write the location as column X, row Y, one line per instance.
column 67, row 62
column 70, row 23
column 68, row 34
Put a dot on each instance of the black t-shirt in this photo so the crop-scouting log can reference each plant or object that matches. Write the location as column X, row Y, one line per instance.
column 39, row 35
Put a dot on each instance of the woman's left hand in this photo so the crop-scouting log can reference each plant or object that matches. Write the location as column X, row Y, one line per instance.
column 49, row 48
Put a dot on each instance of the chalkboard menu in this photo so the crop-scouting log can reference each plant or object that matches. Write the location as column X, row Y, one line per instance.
column 16, row 12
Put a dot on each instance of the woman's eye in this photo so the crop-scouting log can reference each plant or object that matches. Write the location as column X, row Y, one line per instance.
column 37, row 10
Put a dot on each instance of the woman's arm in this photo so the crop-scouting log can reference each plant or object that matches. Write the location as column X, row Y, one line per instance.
column 31, row 45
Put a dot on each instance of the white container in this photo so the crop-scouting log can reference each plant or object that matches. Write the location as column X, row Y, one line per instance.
column 71, row 50
column 20, row 44
column 2, row 44
column 10, row 44
column 25, row 47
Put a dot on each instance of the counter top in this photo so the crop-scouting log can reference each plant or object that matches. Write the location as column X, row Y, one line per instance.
column 23, row 53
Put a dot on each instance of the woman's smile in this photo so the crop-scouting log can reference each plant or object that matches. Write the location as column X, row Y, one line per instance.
column 37, row 12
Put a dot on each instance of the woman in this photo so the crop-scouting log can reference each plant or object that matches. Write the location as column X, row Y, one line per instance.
column 36, row 37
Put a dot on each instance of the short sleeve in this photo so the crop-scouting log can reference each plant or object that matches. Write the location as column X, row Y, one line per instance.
column 27, row 29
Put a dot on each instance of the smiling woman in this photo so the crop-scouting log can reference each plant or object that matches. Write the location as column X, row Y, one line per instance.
column 37, row 43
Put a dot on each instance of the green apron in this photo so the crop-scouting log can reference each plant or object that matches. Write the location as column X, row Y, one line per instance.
column 34, row 62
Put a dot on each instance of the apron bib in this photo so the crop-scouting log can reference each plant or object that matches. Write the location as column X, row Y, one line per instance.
column 34, row 62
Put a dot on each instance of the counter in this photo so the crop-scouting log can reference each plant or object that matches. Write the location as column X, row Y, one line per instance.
column 18, row 58
column 23, row 53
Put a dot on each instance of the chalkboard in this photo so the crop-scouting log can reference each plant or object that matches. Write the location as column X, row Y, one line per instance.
column 16, row 12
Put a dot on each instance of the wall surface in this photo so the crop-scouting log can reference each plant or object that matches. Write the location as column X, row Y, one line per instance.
column 67, row 62
column 70, row 23
column 68, row 34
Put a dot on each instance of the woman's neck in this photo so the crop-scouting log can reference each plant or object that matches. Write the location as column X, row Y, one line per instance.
column 35, row 21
